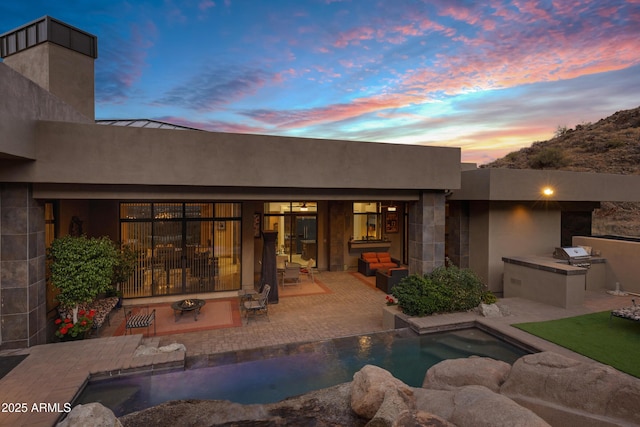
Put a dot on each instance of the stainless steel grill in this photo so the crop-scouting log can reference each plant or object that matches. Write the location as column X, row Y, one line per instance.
column 574, row 255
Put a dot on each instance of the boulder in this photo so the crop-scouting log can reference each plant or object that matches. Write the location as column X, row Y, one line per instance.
column 588, row 387
column 490, row 310
column 476, row 406
column 474, row 370
column 396, row 401
column 144, row 350
column 421, row 419
column 369, row 387
column 326, row 407
column 90, row 415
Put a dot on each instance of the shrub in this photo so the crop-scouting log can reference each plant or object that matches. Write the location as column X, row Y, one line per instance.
column 445, row 289
column 548, row 158
column 81, row 268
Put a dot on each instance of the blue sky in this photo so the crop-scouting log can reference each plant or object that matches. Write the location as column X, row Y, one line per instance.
column 489, row 77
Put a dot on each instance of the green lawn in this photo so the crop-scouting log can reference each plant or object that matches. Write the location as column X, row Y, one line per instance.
column 615, row 343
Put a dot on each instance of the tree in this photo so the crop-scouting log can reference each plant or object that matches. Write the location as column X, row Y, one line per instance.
column 81, row 268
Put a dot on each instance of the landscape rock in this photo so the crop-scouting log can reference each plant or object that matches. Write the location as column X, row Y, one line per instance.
column 474, row 370
column 144, row 350
column 421, row 419
column 584, row 386
column 326, row 407
column 396, row 401
column 476, row 406
column 490, row 310
column 369, row 387
column 90, row 415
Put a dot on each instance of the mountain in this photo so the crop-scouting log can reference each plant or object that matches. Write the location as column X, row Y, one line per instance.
column 611, row 145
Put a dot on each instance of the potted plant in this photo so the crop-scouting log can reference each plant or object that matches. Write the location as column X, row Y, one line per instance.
column 81, row 268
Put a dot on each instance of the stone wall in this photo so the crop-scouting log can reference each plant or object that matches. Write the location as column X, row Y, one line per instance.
column 22, row 268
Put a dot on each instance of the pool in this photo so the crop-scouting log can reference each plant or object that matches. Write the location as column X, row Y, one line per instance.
column 304, row 368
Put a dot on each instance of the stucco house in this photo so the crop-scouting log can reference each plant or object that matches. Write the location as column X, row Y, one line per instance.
column 194, row 204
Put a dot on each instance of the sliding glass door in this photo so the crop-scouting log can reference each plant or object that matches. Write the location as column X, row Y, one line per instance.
column 182, row 247
column 296, row 223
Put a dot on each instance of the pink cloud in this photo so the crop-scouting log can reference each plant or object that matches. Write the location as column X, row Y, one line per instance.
column 354, row 36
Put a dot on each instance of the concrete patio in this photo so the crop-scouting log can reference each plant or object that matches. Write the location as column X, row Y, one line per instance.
column 54, row 373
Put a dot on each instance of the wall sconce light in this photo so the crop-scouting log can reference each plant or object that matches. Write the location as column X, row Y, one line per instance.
column 547, row 191
column 391, row 208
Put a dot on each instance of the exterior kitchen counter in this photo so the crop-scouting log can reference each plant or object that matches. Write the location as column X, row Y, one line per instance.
column 551, row 281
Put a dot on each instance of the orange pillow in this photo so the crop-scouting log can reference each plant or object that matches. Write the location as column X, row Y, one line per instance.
column 384, row 258
column 370, row 256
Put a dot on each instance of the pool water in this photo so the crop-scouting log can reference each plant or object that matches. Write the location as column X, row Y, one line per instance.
column 305, row 368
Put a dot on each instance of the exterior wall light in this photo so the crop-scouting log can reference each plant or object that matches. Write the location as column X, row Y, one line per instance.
column 547, row 191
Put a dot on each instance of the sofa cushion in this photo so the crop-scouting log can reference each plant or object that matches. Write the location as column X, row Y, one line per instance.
column 384, row 258
column 370, row 256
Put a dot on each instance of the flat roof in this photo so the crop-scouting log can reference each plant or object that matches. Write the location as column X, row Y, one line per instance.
column 498, row 184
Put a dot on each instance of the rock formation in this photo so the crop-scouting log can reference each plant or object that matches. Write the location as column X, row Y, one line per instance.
column 538, row 390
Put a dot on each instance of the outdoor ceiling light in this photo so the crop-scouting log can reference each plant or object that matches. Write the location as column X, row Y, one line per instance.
column 547, row 191
column 391, row 208
column 304, row 207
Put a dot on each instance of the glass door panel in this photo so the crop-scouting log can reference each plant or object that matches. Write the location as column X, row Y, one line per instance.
column 199, row 272
column 167, row 257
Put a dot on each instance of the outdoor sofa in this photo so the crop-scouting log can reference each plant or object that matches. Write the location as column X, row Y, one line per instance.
column 370, row 262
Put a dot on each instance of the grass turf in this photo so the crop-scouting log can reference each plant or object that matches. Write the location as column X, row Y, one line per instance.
column 615, row 343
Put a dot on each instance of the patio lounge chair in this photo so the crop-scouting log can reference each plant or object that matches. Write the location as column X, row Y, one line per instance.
column 260, row 305
column 140, row 320
column 630, row 313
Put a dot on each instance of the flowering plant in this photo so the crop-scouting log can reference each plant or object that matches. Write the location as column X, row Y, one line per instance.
column 68, row 329
column 391, row 300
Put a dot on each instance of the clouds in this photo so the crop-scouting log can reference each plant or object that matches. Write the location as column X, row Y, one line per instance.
column 485, row 76
column 215, row 88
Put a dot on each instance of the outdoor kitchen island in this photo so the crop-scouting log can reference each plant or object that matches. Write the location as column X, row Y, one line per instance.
column 551, row 281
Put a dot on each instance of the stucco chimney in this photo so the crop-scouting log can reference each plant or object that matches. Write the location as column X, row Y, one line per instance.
column 56, row 56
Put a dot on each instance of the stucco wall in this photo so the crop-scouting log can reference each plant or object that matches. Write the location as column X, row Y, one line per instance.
column 99, row 154
column 623, row 261
column 21, row 103
column 501, row 229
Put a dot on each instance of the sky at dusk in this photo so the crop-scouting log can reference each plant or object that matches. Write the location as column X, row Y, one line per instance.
column 487, row 76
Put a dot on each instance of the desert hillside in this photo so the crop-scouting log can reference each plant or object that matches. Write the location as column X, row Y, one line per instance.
column 611, row 145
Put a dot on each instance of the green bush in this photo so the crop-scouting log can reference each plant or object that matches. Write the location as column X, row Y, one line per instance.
column 444, row 290
column 81, row 268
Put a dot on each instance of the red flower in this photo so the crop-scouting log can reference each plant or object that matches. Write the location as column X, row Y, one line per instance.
column 83, row 323
column 92, row 313
column 81, row 313
column 67, row 320
column 58, row 321
column 64, row 331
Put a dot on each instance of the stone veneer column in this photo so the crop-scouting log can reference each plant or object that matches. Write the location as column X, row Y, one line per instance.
column 22, row 268
column 426, row 233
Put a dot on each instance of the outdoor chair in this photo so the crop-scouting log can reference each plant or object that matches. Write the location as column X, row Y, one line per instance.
column 140, row 320
column 291, row 273
column 308, row 270
column 260, row 305
column 629, row 313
